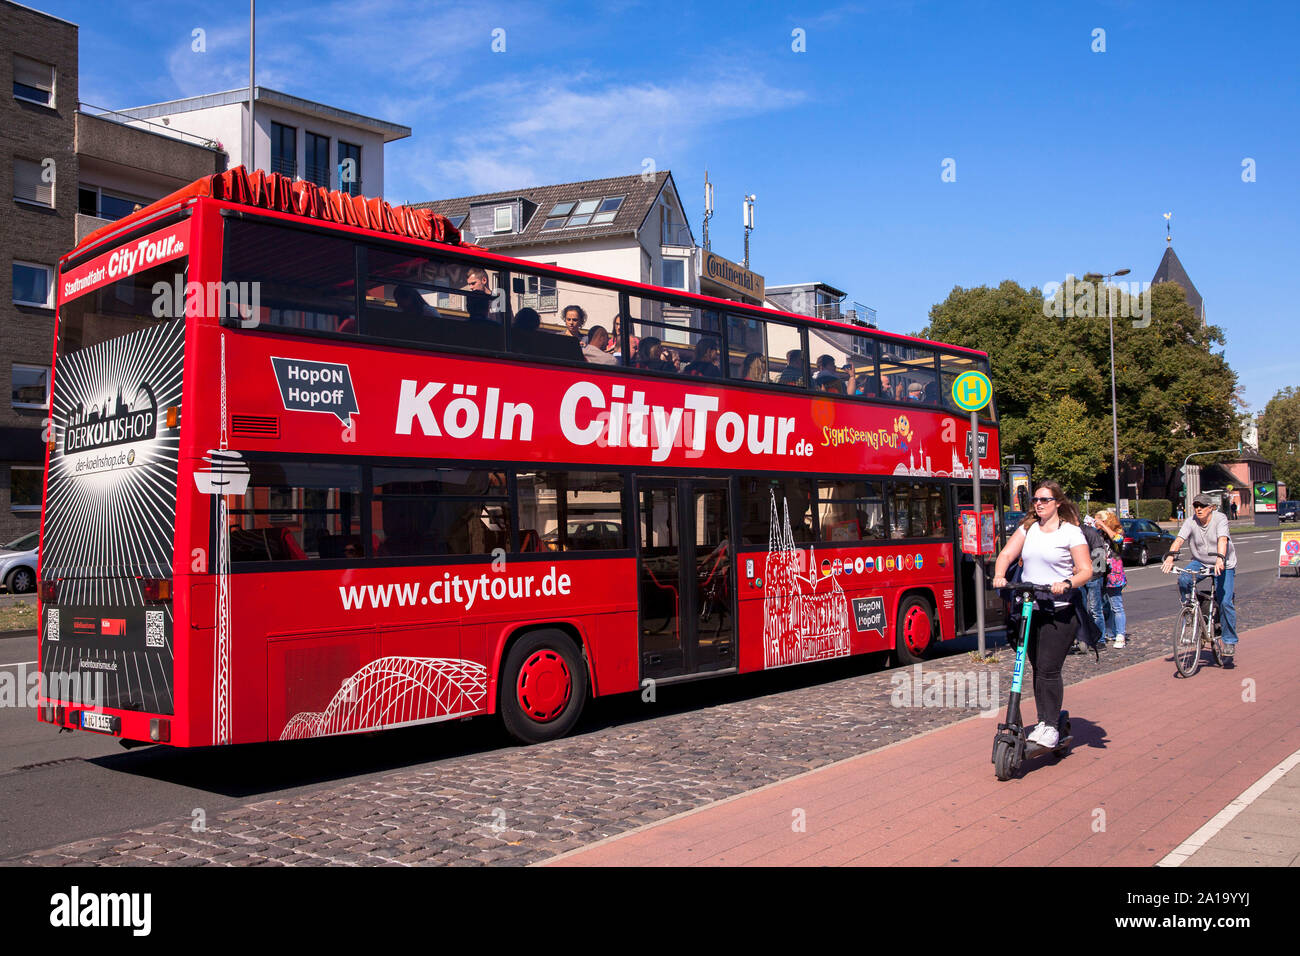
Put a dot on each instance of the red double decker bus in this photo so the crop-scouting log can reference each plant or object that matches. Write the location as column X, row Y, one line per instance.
column 318, row 467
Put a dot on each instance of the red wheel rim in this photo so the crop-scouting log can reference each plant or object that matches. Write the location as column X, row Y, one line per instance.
column 544, row 686
column 916, row 629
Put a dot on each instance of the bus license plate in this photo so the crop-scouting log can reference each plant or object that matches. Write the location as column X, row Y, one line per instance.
column 102, row 723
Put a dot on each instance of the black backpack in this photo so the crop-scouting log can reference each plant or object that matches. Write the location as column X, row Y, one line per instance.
column 1098, row 548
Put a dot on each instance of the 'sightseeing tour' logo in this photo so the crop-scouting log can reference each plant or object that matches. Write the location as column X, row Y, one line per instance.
column 112, row 423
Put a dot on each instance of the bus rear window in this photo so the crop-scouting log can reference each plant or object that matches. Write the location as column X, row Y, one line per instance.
column 128, row 305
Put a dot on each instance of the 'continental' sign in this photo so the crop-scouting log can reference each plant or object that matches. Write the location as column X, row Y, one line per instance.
column 734, row 277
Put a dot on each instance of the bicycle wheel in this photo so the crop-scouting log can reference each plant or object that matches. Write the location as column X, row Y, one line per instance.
column 1187, row 642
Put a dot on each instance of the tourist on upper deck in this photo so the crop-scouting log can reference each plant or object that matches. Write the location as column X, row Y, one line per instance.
column 594, row 350
column 754, row 368
column 707, row 354
column 575, row 317
column 792, row 374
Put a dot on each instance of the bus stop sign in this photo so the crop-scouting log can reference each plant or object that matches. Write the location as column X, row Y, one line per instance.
column 971, row 391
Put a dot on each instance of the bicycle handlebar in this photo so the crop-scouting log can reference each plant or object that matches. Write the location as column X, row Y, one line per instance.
column 1198, row 572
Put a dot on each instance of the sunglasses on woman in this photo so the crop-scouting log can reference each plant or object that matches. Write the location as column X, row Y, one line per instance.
column 1042, row 501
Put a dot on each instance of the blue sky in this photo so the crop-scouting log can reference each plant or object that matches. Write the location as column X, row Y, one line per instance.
column 1065, row 158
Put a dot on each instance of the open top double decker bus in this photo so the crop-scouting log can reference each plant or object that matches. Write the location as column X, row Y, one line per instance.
column 318, row 467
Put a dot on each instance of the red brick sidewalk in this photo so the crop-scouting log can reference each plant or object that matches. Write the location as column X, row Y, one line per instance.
column 1154, row 758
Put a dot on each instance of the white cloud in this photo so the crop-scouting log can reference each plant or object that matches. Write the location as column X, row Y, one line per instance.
column 533, row 130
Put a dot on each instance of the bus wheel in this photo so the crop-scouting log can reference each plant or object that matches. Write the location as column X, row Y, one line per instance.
column 914, row 630
column 543, row 687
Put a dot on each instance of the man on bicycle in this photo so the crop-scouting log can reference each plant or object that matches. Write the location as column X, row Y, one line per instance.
column 1206, row 532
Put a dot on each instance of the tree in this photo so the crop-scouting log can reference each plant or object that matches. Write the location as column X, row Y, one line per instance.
column 1074, row 447
column 1174, row 393
column 1279, row 437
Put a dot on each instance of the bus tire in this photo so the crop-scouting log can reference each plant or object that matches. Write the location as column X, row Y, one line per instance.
column 543, row 687
column 914, row 630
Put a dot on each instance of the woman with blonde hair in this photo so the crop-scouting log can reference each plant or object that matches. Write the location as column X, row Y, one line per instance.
column 1112, row 585
column 1052, row 552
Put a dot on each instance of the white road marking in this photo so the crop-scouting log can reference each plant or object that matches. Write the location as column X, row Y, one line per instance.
column 1226, row 815
column 1265, row 551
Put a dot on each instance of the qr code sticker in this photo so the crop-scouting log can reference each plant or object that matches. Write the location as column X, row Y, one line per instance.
column 153, row 629
column 52, row 624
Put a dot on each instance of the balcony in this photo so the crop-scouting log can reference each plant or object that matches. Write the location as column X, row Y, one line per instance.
column 675, row 234
column 540, row 302
column 114, row 148
column 857, row 314
column 88, row 224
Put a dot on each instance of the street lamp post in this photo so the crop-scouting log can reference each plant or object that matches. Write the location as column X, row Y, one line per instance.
column 1114, row 409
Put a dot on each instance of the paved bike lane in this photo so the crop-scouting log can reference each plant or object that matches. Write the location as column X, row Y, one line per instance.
column 1155, row 757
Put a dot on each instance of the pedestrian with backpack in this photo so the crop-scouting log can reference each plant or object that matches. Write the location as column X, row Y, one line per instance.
column 1098, row 550
column 1112, row 593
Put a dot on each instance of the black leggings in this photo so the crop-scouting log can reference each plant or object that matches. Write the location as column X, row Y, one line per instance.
column 1050, row 638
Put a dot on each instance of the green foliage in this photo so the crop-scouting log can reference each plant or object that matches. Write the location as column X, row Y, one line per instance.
column 1155, row 509
column 1279, row 437
column 1174, row 392
column 1072, row 449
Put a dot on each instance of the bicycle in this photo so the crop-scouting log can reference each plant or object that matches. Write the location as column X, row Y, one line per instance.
column 1197, row 625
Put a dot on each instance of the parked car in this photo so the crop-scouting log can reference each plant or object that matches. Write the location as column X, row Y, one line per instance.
column 18, row 564
column 1288, row 511
column 1144, row 540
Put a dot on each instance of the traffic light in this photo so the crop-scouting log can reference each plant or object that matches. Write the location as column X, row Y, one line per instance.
column 1182, row 474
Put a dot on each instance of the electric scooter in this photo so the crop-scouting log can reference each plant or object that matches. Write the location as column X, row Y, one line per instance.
column 1011, row 746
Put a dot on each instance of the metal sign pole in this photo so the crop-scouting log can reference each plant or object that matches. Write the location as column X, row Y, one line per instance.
column 979, row 523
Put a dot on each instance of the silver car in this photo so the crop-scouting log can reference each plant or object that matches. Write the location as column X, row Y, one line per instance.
column 18, row 564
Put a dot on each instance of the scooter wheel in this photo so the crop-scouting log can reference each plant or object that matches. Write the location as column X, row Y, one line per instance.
column 1003, row 754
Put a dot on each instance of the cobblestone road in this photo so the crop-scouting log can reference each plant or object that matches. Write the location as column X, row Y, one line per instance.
column 525, row 804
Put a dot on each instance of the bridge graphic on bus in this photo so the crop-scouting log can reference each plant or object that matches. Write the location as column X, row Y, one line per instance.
column 394, row 691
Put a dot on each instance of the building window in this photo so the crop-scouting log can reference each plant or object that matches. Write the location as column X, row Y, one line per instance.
column 25, row 487
column 674, row 274
column 588, row 212
column 30, row 184
column 503, row 219
column 284, row 150
column 31, row 386
column 33, row 284
column 318, row 160
column 350, row 168
column 33, row 81
column 93, row 201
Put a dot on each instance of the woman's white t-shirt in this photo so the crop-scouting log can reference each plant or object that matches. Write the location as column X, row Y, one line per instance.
column 1045, row 555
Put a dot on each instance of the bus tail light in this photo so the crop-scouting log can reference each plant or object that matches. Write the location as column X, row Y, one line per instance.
column 48, row 593
column 157, row 590
column 160, row 730
column 173, row 415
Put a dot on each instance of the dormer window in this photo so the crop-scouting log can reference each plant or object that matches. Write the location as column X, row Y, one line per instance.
column 503, row 219
column 587, row 212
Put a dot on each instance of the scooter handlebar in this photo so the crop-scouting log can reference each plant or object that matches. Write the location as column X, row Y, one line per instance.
column 1035, row 592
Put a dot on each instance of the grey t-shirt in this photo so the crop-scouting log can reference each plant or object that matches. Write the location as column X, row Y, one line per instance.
column 1204, row 541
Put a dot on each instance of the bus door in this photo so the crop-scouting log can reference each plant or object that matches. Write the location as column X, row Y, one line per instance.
column 686, row 576
column 994, row 610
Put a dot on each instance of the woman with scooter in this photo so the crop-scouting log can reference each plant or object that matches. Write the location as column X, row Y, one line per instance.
column 1053, row 553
